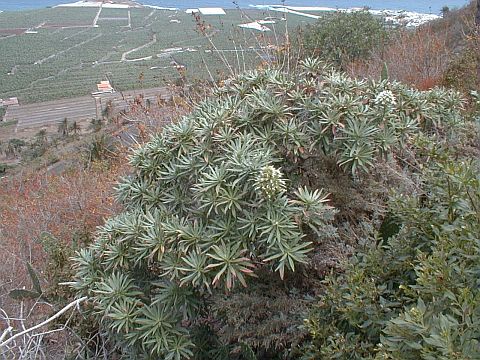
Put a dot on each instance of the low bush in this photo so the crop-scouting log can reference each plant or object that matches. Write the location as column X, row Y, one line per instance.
column 343, row 37
column 413, row 295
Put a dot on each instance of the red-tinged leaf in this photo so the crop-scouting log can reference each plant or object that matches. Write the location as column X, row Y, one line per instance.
column 246, row 271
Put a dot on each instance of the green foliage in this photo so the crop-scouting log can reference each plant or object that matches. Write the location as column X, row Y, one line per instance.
column 344, row 36
column 95, row 125
column 265, row 317
column 248, row 352
column 100, row 147
column 4, row 124
column 384, row 75
column 58, row 267
column 414, row 295
column 34, row 294
column 63, row 127
column 13, row 147
column 37, row 147
column 225, row 194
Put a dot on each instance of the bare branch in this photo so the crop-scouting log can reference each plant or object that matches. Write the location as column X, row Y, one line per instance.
column 57, row 315
column 6, row 332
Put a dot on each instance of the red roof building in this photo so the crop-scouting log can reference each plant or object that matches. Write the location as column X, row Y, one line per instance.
column 105, row 86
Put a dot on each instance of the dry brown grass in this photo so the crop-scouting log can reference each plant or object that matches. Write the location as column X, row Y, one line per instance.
column 32, row 203
column 421, row 57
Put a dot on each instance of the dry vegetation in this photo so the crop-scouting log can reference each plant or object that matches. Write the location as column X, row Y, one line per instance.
column 66, row 206
column 422, row 57
column 410, row 59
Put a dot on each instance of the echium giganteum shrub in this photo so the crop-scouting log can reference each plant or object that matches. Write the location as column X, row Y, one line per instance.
column 221, row 193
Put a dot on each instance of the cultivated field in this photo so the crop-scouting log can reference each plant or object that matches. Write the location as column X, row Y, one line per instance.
column 48, row 115
column 63, row 52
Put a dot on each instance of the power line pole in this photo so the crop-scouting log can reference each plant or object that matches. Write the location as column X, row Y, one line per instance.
column 477, row 16
column 477, row 40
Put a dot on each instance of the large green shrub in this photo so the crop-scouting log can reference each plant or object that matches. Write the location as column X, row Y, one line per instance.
column 342, row 37
column 416, row 294
column 225, row 194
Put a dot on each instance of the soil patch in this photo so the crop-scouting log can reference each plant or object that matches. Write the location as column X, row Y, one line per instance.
column 16, row 31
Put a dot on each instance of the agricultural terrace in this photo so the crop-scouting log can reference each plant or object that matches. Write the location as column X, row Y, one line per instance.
column 63, row 52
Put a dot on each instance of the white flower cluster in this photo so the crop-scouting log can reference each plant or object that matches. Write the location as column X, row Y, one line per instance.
column 270, row 182
column 385, row 97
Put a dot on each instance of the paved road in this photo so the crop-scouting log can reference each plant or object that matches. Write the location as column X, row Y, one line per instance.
column 79, row 109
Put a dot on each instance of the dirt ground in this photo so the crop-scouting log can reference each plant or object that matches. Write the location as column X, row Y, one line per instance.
column 7, row 132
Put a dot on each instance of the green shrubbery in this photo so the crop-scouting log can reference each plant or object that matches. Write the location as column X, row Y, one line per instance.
column 415, row 294
column 227, row 194
column 342, row 37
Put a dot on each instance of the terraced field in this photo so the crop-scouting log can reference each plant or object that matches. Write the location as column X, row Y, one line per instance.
column 63, row 52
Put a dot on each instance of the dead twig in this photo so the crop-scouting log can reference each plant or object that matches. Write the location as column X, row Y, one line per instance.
column 38, row 326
